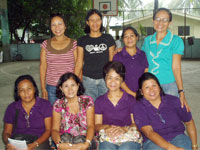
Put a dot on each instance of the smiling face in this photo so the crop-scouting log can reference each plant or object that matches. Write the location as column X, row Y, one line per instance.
column 150, row 90
column 58, row 26
column 94, row 22
column 26, row 91
column 113, row 80
column 130, row 39
column 161, row 21
column 70, row 88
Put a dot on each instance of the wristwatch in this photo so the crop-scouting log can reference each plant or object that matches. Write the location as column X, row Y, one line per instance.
column 179, row 91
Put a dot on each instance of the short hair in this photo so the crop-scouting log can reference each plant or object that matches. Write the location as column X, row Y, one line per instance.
column 90, row 13
column 56, row 15
column 163, row 9
column 21, row 78
column 118, row 67
column 147, row 76
column 66, row 77
column 130, row 28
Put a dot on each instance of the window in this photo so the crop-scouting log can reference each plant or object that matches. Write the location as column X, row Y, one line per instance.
column 181, row 30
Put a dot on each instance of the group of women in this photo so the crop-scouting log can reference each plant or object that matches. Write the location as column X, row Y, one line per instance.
column 105, row 99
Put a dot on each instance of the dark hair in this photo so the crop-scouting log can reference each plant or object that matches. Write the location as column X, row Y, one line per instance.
column 118, row 67
column 130, row 28
column 117, row 37
column 66, row 77
column 163, row 9
column 142, row 79
column 56, row 15
column 21, row 78
column 90, row 13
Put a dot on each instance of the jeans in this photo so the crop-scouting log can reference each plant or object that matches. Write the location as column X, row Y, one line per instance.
column 51, row 93
column 94, row 87
column 124, row 146
column 170, row 88
column 181, row 140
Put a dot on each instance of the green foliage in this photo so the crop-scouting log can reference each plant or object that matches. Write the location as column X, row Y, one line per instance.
column 33, row 15
column 142, row 30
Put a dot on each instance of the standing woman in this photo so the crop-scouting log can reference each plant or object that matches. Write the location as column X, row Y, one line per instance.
column 58, row 56
column 133, row 59
column 94, row 50
column 163, row 51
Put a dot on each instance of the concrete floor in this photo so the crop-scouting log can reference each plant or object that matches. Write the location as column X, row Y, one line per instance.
column 10, row 71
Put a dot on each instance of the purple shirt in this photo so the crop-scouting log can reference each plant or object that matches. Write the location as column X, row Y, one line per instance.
column 166, row 120
column 135, row 66
column 41, row 110
column 119, row 115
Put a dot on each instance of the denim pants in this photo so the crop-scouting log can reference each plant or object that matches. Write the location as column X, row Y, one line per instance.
column 170, row 88
column 124, row 146
column 94, row 87
column 51, row 93
column 181, row 140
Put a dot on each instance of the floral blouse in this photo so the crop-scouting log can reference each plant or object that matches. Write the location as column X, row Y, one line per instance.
column 74, row 124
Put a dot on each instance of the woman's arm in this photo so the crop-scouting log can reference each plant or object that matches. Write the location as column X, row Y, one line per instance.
column 79, row 62
column 43, row 69
column 7, row 134
column 111, row 52
column 176, row 68
column 157, row 139
column 126, row 88
column 75, row 56
column 45, row 136
column 192, row 132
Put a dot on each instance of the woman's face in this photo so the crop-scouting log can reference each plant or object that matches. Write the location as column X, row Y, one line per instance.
column 58, row 26
column 70, row 88
column 130, row 39
column 113, row 80
column 26, row 91
column 150, row 90
column 94, row 22
column 161, row 21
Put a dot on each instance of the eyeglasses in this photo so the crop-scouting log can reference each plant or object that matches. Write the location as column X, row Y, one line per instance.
column 162, row 20
column 161, row 118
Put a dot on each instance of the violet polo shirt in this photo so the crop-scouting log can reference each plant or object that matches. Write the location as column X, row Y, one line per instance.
column 35, row 124
column 119, row 115
column 135, row 66
column 167, row 120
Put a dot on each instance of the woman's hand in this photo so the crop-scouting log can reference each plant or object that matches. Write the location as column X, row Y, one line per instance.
column 31, row 146
column 10, row 147
column 69, row 146
column 114, row 131
column 45, row 94
column 184, row 102
column 172, row 147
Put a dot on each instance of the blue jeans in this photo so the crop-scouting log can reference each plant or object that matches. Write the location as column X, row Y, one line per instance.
column 51, row 93
column 94, row 87
column 124, row 146
column 170, row 88
column 181, row 140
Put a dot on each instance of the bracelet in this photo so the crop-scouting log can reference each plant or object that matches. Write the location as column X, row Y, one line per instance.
column 57, row 145
column 37, row 145
column 195, row 146
column 88, row 142
column 179, row 91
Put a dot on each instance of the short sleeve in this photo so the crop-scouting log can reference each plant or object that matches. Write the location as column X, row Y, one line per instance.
column 178, row 45
column 140, row 115
column 111, row 41
column 10, row 114
column 146, row 64
column 80, row 41
column 97, row 106
column 48, row 109
column 143, row 48
column 87, row 100
column 58, row 105
column 44, row 44
column 74, row 45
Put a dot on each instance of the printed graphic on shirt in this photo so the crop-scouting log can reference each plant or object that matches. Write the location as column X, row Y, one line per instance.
column 154, row 70
column 96, row 48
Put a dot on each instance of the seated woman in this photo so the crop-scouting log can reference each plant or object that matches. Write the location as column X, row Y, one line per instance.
column 160, row 118
column 29, row 117
column 73, row 114
column 113, row 110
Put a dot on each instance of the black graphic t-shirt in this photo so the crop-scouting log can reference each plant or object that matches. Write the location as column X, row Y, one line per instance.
column 96, row 54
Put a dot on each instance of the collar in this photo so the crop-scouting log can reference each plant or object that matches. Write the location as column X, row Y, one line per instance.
column 125, row 53
column 166, row 40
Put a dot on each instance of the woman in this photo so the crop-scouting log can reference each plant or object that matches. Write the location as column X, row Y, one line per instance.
column 113, row 110
column 163, row 51
column 160, row 118
column 58, row 56
column 134, row 60
column 73, row 113
column 29, row 116
column 94, row 50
